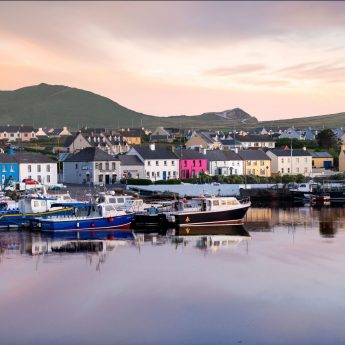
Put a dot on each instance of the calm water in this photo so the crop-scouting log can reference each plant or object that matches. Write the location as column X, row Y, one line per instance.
column 285, row 284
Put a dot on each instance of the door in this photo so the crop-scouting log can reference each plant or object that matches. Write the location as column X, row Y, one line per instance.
column 107, row 179
column 164, row 175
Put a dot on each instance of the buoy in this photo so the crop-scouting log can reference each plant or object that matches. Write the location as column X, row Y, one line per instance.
column 92, row 225
column 111, row 219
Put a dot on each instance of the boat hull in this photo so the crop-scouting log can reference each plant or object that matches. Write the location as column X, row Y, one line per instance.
column 225, row 217
column 16, row 219
column 86, row 224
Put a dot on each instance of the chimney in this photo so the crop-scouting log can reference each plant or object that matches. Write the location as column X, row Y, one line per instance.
column 304, row 148
column 173, row 148
column 152, row 146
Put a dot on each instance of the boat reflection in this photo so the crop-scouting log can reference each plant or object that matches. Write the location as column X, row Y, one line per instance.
column 211, row 238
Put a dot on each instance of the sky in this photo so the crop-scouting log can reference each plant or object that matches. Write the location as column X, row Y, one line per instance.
column 273, row 59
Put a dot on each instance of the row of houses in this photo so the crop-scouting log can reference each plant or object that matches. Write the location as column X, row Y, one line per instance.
column 16, row 167
column 92, row 165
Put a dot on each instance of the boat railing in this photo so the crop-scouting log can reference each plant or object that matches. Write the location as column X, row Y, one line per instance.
column 245, row 200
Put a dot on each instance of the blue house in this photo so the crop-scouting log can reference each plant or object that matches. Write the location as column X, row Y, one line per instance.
column 9, row 169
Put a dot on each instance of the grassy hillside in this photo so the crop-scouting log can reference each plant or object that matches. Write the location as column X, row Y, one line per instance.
column 57, row 105
column 327, row 121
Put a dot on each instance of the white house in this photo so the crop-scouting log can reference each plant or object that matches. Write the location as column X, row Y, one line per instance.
column 91, row 165
column 37, row 167
column 159, row 163
column 295, row 161
column 223, row 162
column 132, row 166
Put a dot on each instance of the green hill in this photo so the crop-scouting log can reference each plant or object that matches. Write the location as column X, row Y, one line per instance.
column 57, row 105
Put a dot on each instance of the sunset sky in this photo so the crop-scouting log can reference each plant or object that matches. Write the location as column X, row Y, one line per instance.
column 272, row 59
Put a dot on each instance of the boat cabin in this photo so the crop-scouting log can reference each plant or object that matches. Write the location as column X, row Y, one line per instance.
column 204, row 204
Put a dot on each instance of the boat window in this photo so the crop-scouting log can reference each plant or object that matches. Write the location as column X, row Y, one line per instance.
column 303, row 185
column 120, row 200
column 112, row 200
column 43, row 203
column 109, row 208
column 215, row 202
column 223, row 202
column 232, row 202
column 216, row 243
column 36, row 203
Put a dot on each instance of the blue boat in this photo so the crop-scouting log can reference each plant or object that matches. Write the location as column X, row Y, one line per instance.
column 87, row 217
column 31, row 207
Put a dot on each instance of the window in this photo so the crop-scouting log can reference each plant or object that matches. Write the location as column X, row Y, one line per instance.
column 147, row 174
column 39, row 178
column 100, row 178
column 48, row 168
column 297, row 160
column 25, row 135
column 107, row 166
column 185, row 163
column 100, row 167
column 48, row 178
column 249, row 163
column 4, row 168
column 169, row 173
column 193, row 163
column 157, row 163
column 12, row 135
column 253, row 171
column 262, row 171
column 174, row 173
column 165, row 163
column 153, row 174
column 96, row 165
column 38, row 168
column 215, row 202
column 113, row 166
column 149, row 163
column 305, row 159
column 282, row 160
column 248, row 171
column 305, row 169
column 200, row 163
column 262, row 163
column 11, row 168
column 158, row 174
column 288, row 170
column 282, row 170
column 172, row 162
column 255, row 163
column 76, row 165
column 297, row 170
column 29, row 168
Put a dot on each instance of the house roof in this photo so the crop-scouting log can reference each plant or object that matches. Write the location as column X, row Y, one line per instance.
column 130, row 160
column 12, row 129
column 288, row 153
column 227, row 142
column 29, row 157
column 91, row 154
column 158, row 153
column 254, row 138
column 253, row 155
column 189, row 154
column 321, row 155
column 7, row 158
column 220, row 155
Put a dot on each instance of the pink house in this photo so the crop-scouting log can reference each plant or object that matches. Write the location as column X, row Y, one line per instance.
column 192, row 163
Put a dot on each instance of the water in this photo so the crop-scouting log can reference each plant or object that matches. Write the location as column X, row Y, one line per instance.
column 283, row 285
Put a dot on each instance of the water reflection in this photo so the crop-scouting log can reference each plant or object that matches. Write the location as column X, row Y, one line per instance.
column 276, row 280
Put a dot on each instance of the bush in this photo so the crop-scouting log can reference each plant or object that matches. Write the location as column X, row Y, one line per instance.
column 136, row 181
column 171, row 181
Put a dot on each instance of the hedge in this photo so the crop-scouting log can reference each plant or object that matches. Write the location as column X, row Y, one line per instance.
column 136, row 181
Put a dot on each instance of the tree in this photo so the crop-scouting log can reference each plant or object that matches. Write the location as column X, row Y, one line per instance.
column 326, row 139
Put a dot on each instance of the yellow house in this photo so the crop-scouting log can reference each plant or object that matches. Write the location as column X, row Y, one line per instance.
column 322, row 160
column 131, row 135
column 256, row 162
column 203, row 140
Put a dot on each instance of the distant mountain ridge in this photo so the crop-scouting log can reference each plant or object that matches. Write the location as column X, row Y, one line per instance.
column 47, row 105
column 58, row 105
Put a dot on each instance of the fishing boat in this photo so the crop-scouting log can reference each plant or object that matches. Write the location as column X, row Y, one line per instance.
column 210, row 210
column 87, row 217
column 33, row 206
